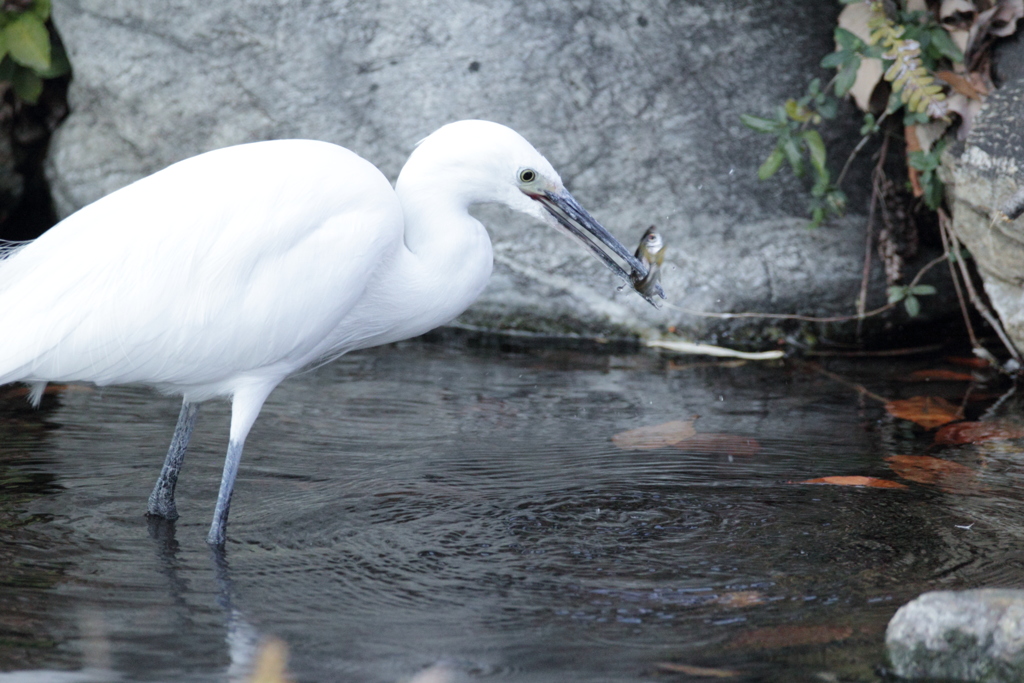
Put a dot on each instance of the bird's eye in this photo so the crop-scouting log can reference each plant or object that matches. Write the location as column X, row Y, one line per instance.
column 527, row 175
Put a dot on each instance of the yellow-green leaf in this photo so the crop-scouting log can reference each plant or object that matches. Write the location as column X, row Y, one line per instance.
column 41, row 8
column 816, row 146
column 28, row 41
column 771, row 164
column 59, row 64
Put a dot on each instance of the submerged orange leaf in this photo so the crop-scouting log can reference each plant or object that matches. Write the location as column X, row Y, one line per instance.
column 873, row 482
column 974, row 432
column 691, row 670
column 927, row 411
column 942, row 375
column 655, row 436
column 967, row 361
column 740, row 598
column 924, row 469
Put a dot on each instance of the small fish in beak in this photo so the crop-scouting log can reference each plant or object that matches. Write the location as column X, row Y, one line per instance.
column 651, row 253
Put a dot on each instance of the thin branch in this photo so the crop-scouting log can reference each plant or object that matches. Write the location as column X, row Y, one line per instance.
column 809, row 318
column 862, row 298
column 858, row 148
column 976, row 300
column 946, row 241
column 859, row 388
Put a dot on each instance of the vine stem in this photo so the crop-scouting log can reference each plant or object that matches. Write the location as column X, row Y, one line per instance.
column 862, row 298
column 946, row 245
column 972, row 294
column 809, row 318
column 858, row 148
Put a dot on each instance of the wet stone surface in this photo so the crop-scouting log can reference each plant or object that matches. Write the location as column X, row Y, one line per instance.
column 420, row 504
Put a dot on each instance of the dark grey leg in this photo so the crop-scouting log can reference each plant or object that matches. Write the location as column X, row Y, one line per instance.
column 218, row 528
column 161, row 501
column 245, row 406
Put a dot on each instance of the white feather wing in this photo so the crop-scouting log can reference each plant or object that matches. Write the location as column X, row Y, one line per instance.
column 237, row 261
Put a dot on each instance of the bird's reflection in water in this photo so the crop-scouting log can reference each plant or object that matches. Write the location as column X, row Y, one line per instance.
column 242, row 638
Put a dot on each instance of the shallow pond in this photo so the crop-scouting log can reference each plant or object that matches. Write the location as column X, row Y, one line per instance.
column 421, row 505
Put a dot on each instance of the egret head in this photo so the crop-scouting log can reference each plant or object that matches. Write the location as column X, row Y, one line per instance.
column 489, row 162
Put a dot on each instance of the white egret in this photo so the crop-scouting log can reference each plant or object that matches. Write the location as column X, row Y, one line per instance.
column 224, row 273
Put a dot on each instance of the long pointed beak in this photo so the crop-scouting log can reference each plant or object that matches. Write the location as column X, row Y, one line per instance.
column 574, row 218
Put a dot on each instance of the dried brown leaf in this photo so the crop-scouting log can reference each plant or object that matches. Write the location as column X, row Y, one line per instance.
column 923, row 469
column 975, row 432
column 959, row 84
column 872, row 482
column 655, row 436
column 927, row 411
column 967, row 361
column 739, row 599
column 940, row 375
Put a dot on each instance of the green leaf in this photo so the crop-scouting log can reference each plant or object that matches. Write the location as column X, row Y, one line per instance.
column 923, row 161
column 912, row 117
column 759, row 124
column 933, row 191
column 945, row 45
column 817, row 217
column 964, row 254
column 847, row 77
column 28, row 41
column 870, row 126
column 847, row 40
column 834, row 59
column 793, row 155
column 828, row 107
column 41, row 8
column 59, row 64
column 873, row 51
column 27, row 85
column 797, row 110
column 771, row 165
column 835, row 201
column 816, row 146
column 896, row 293
column 821, row 186
column 3, row 45
column 913, row 305
column 922, row 290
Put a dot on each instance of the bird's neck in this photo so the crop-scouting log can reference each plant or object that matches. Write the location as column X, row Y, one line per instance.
column 447, row 258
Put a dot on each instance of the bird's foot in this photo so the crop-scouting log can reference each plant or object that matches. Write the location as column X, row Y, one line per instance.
column 216, row 537
column 162, row 507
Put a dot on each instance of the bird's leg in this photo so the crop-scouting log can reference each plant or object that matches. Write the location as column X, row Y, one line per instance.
column 245, row 406
column 218, row 530
column 161, row 501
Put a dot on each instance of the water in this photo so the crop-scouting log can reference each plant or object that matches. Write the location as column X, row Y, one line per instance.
column 421, row 504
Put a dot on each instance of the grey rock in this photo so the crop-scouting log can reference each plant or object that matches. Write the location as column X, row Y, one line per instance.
column 981, row 176
column 974, row 635
column 637, row 104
